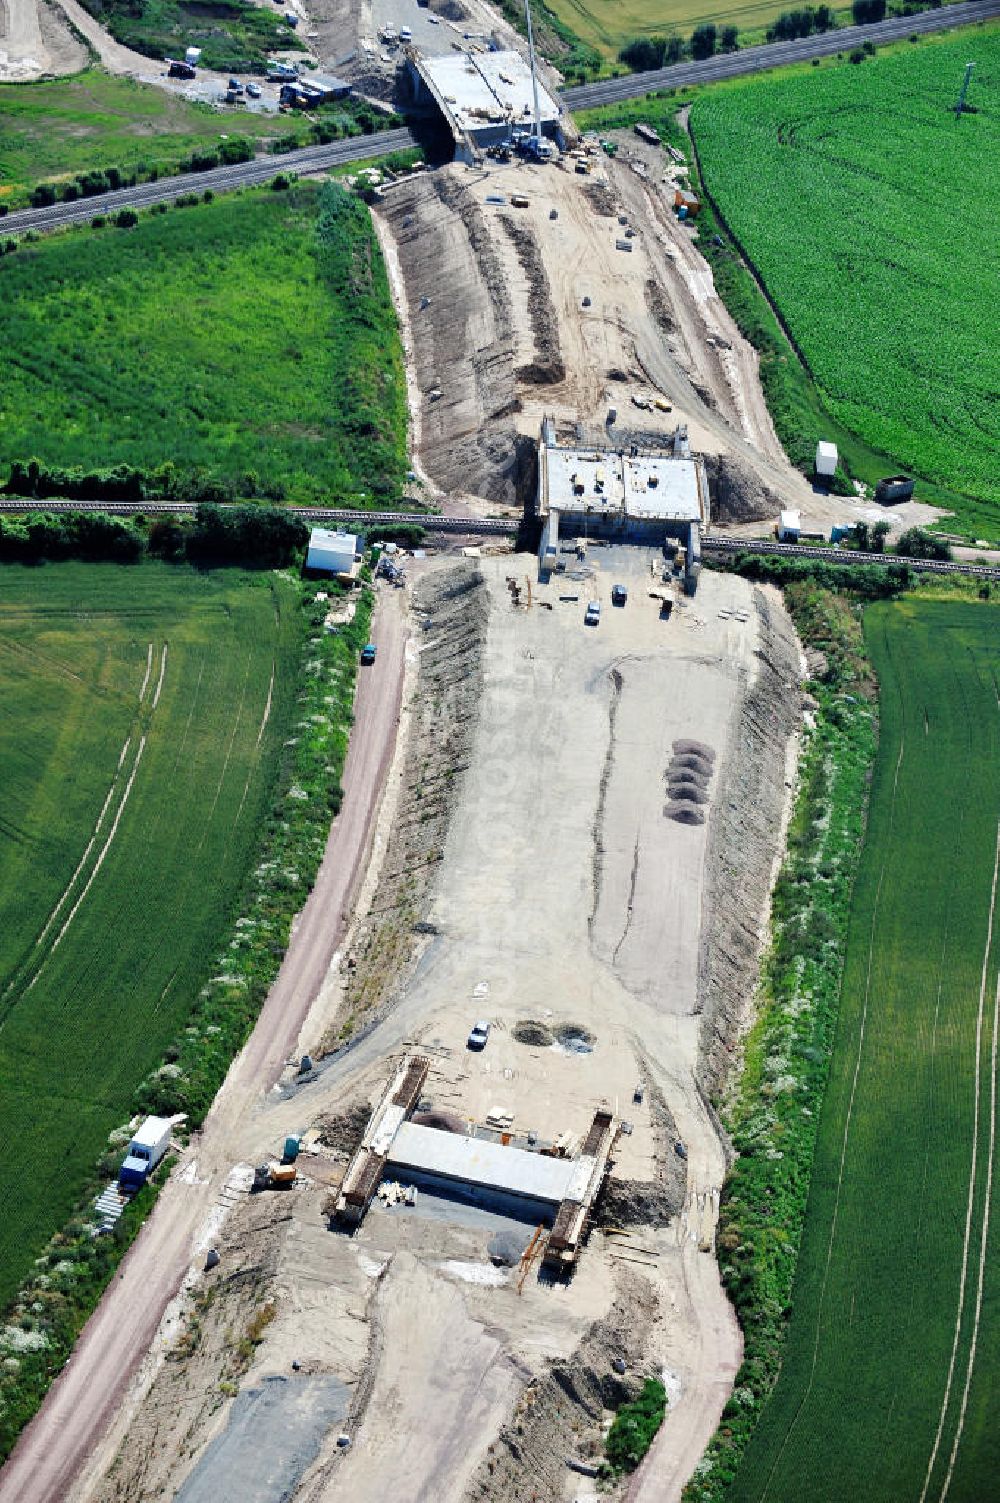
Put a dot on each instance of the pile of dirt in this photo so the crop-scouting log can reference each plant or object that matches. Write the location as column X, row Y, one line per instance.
column 736, row 491
column 635, row 1202
column 548, row 368
column 601, row 199
column 660, row 310
column 531, row 1032
column 744, row 842
column 561, row 1414
column 687, row 793
column 443, row 1121
column 461, row 324
column 452, row 607
column 344, row 1130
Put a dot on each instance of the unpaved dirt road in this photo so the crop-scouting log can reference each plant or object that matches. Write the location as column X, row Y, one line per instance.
column 36, row 43
column 85, row 1397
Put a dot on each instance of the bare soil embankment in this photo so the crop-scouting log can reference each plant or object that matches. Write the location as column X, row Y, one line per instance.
column 463, row 347
column 562, row 1414
column 450, row 609
column 746, row 837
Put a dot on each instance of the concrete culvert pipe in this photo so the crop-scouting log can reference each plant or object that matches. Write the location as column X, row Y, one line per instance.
column 684, row 814
column 694, row 748
column 687, row 775
column 692, row 762
column 687, row 793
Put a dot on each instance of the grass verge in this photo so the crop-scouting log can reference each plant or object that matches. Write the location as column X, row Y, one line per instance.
column 774, row 1114
column 95, row 121
column 250, row 342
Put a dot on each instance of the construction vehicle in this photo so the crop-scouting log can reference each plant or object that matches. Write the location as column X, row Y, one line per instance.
column 177, row 69
column 273, row 1176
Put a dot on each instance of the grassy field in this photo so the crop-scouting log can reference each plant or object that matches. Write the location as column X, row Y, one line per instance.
column 144, row 712
column 607, row 25
column 95, row 120
column 828, row 178
column 893, row 1351
column 252, row 338
column 231, row 33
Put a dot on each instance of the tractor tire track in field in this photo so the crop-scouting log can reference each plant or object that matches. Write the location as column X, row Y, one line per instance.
column 968, row 1215
column 256, row 746
column 36, row 963
column 229, row 753
column 847, row 1132
column 20, row 972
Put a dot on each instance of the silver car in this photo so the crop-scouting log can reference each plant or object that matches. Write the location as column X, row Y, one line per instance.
column 480, row 1033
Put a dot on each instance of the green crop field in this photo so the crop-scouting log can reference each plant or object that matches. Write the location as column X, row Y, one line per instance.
column 607, row 25
column 143, row 714
column 893, row 1352
column 869, row 213
column 231, row 33
column 252, row 339
column 55, row 129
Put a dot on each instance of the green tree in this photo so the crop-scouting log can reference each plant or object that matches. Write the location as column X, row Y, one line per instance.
column 703, row 40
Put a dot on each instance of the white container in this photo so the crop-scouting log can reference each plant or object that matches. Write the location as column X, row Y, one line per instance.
column 826, row 459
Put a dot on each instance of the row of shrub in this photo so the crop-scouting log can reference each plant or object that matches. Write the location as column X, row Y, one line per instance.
column 352, row 117
column 774, row 1118
column 645, row 54
column 253, row 536
column 92, row 184
column 166, row 482
column 70, row 1277
column 864, row 581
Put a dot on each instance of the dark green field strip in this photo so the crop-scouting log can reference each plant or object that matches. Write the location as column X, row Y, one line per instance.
column 885, row 298
column 88, row 1017
column 857, row 1407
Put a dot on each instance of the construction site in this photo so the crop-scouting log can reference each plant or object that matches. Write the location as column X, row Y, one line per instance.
column 478, row 1208
column 457, row 1200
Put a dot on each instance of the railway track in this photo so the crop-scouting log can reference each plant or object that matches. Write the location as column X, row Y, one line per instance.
column 505, row 527
column 584, row 96
column 219, row 179
column 777, row 54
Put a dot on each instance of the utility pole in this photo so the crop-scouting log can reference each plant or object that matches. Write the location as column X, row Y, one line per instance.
column 960, row 106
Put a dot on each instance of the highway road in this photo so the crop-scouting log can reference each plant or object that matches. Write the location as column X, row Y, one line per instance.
column 507, row 527
column 585, row 96
column 776, row 54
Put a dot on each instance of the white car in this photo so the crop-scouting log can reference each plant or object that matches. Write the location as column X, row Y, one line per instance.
column 593, row 616
column 480, row 1033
